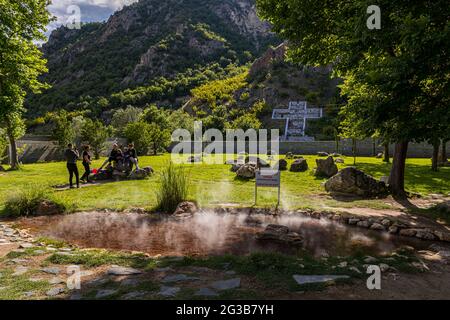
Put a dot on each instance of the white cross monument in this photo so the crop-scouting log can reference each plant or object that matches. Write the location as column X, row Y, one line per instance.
column 296, row 117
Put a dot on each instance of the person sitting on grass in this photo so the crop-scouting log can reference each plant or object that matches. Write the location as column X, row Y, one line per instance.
column 115, row 156
column 131, row 156
column 71, row 154
column 86, row 164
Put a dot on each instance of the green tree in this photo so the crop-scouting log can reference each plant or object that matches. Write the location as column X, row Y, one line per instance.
column 122, row 117
column 159, row 138
column 396, row 79
column 21, row 62
column 139, row 134
column 63, row 131
column 95, row 133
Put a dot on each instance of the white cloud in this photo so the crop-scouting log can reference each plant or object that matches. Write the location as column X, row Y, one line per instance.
column 90, row 10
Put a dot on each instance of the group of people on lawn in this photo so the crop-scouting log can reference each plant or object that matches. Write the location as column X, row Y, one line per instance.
column 117, row 159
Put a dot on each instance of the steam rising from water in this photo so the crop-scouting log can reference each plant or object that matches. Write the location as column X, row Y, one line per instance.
column 209, row 233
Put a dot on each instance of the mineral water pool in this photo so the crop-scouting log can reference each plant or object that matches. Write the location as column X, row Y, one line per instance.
column 212, row 233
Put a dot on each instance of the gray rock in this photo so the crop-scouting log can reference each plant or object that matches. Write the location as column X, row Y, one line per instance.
column 425, row 235
column 26, row 245
column 178, row 278
column 281, row 234
column 299, row 165
column 20, row 261
column 122, row 271
column 247, row 171
column 408, row 232
column 56, row 280
column 281, row 165
column 353, row 221
column 226, row 284
column 306, row 279
column 20, row 270
column 29, row 294
column 39, row 252
column 393, row 229
column 206, row 292
column 355, row 182
column 105, row 293
column 168, row 291
column 326, row 167
column 51, row 270
column 130, row 282
column 54, row 291
column 377, row 226
column 363, row 224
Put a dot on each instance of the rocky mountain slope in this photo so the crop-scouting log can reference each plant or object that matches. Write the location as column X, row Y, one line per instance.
column 146, row 47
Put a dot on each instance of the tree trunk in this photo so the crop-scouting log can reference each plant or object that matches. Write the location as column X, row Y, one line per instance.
column 13, row 156
column 386, row 153
column 444, row 158
column 397, row 176
column 435, row 157
column 354, row 151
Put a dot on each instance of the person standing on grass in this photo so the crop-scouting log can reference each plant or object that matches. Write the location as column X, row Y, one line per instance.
column 72, row 156
column 86, row 164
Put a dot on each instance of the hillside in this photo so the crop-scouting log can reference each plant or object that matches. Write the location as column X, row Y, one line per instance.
column 248, row 99
column 151, row 51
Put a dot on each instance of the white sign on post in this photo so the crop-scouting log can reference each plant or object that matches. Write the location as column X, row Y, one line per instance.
column 268, row 178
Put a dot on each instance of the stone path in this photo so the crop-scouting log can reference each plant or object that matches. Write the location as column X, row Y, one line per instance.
column 169, row 281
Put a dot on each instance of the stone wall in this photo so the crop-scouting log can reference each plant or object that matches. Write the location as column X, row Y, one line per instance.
column 42, row 149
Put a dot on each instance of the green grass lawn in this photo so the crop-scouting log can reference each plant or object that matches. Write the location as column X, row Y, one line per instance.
column 211, row 185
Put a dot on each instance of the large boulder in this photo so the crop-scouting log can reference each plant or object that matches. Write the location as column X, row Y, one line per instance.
column 258, row 161
column 235, row 167
column 353, row 181
column 326, row 167
column 186, row 207
column 322, row 154
column 139, row 174
column 299, row 165
column 281, row 165
column 278, row 233
column 246, row 171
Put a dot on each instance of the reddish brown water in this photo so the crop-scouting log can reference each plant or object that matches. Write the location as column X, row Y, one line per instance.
column 210, row 233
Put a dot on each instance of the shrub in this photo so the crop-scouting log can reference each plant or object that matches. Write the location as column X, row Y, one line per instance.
column 26, row 202
column 173, row 188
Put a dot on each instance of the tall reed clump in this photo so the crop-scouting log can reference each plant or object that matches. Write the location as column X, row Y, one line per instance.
column 27, row 201
column 173, row 188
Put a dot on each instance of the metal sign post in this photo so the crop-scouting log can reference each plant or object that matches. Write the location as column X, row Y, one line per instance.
column 268, row 178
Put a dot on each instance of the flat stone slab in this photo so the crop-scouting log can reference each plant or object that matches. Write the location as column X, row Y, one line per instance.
column 179, row 278
column 300, row 279
column 20, row 261
column 54, row 291
column 206, row 292
column 227, row 284
column 51, row 270
column 26, row 245
column 105, row 293
column 168, row 291
column 56, row 280
column 20, row 270
column 122, row 271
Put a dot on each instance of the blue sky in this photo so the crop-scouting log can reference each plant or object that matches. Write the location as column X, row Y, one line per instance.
column 91, row 10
